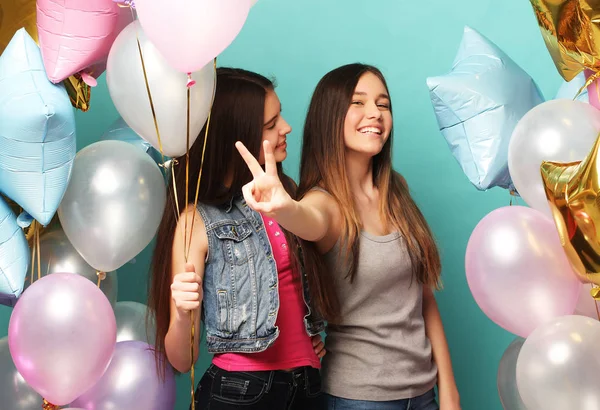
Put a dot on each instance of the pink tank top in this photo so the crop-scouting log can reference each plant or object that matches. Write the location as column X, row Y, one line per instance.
column 293, row 346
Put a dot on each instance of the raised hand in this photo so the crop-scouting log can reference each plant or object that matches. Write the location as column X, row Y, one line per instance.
column 265, row 193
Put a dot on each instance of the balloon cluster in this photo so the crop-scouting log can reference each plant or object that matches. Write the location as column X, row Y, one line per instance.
column 74, row 218
column 535, row 271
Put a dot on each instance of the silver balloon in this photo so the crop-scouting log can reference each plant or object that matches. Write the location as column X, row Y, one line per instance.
column 507, row 377
column 127, row 86
column 113, row 204
column 57, row 255
column 557, row 130
column 557, row 368
column 131, row 323
column 14, row 390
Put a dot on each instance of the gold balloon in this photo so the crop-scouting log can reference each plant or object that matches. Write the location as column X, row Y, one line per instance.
column 573, row 192
column 571, row 31
column 15, row 14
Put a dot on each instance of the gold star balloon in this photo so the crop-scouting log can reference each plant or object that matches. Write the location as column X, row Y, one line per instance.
column 573, row 192
column 571, row 31
column 15, row 14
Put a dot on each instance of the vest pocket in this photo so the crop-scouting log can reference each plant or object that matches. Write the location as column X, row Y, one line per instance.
column 236, row 249
column 223, row 311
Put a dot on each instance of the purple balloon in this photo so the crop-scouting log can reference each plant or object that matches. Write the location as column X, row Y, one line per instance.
column 131, row 382
column 62, row 335
column 517, row 270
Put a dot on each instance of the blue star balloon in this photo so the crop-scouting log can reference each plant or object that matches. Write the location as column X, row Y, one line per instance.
column 37, row 131
column 478, row 104
column 14, row 256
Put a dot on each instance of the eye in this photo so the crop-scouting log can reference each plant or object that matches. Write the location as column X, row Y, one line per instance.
column 271, row 126
column 384, row 106
column 357, row 103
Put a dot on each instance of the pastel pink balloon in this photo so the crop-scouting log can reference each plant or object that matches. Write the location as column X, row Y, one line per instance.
column 75, row 35
column 61, row 335
column 593, row 90
column 517, row 270
column 189, row 34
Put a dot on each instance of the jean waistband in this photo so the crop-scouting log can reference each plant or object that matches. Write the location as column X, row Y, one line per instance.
column 297, row 375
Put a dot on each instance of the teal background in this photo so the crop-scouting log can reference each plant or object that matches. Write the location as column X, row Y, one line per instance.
column 297, row 42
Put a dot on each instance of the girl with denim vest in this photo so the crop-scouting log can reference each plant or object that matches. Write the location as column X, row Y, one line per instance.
column 364, row 233
column 242, row 267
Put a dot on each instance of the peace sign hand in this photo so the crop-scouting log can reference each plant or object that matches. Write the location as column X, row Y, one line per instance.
column 265, row 193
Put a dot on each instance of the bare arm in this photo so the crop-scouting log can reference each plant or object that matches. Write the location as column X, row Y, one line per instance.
column 314, row 218
column 448, row 392
column 186, row 291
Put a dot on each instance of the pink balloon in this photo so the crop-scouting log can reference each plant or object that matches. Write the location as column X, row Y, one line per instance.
column 62, row 335
column 189, row 34
column 517, row 270
column 76, row 35
column 593, row 90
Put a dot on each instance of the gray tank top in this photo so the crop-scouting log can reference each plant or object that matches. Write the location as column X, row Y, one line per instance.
column 378, row 351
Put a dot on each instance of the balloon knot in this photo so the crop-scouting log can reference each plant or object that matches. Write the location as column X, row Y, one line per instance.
column 190, row 83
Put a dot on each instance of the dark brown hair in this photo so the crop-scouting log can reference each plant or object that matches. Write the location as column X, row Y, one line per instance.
column 323, row 165
column 237, row 115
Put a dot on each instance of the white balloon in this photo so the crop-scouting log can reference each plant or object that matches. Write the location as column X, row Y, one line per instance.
column 557, row 130
column 127, row 87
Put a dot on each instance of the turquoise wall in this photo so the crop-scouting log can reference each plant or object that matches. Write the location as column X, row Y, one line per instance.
column 299, row 41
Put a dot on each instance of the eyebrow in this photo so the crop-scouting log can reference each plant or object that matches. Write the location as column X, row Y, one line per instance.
column 382, row 95
column 274, row 117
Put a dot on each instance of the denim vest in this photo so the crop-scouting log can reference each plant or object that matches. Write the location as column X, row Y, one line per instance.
column 241, row 294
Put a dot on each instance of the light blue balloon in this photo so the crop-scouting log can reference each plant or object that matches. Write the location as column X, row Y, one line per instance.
column 568, row 90
column 37, row 131
column 14, row 256
column 478, row 104
column 120, row 131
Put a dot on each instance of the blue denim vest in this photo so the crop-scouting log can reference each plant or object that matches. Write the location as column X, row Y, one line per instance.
column 241, row 294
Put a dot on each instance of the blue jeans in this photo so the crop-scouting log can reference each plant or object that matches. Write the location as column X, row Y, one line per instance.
column 424, row 402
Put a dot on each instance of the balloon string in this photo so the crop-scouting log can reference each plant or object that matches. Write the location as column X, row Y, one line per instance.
column 101, row 276
column 33, row 253
column 37, row 243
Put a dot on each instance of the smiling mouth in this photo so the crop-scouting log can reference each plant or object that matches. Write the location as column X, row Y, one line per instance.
column 370, row 130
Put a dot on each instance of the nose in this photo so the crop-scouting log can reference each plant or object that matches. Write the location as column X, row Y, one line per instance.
column 285, row 127
column 373, row 110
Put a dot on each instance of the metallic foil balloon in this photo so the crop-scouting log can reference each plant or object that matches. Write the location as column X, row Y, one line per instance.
column 571, row 31
column 14, row 256
column 557, row 368
column 113, row 205
column 120, row 131
column 478, row 104
column 13, row 388
column 57, row 255
column 131, row 323
column 131, row 382
column 507, row 377
column 79, row 92
column 37, row 131
column 557, row 130
column 15, row 14
column 573, row 192
column 128, row 84
column 62, row 336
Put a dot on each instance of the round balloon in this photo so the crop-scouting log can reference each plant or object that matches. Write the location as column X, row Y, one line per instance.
column 558, row 365
column 131, row 382
column 57, row 255
column 62, row 335
column 126, row 83
column 507, row 377
column 517, row 271
column 557, row 130
column 132, row 323
column 113, row 204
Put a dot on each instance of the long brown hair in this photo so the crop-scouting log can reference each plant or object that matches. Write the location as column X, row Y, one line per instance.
column 323, row 164
column 237, row 115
